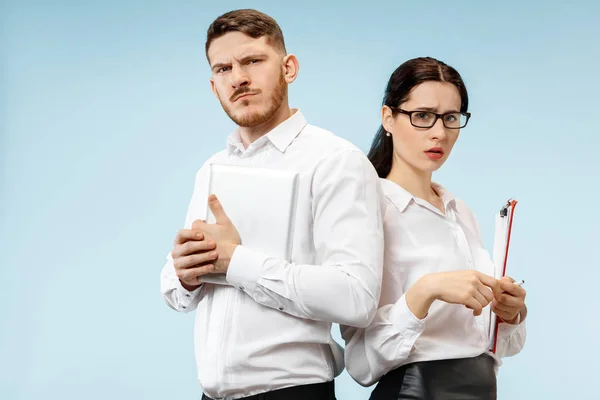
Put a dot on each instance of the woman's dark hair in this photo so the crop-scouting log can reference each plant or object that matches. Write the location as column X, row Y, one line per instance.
column 403, row 80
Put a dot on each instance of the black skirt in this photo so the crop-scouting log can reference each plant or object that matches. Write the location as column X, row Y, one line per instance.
column 460, row 379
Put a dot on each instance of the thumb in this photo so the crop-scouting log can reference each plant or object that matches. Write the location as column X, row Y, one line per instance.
column 506, row 283
column 217, row 210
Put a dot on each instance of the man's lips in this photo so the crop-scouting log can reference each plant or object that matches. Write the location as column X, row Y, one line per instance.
column 241, row 96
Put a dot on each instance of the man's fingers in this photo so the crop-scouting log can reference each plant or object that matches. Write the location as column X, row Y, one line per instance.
column 196, row 246
column 192, row 246
column 217, row 209
column 198, row 225
column 190, row 275
column 194, row 259
column 187, row 234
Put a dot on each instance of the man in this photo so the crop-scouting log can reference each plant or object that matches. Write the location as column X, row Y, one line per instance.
column 269, row 331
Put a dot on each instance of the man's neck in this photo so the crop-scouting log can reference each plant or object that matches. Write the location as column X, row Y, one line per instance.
column 251, row 134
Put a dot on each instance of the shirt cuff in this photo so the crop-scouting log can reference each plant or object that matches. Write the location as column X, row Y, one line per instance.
column 185, row 297
column 245, row 268
column 405, row 321
column 505, row 329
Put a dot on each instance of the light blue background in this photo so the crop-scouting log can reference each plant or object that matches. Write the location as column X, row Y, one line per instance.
column 106, row 114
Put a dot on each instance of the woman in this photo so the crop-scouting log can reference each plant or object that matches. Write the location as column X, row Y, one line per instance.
column 430, row 336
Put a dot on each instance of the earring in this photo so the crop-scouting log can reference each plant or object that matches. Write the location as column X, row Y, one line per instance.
column 388, row 134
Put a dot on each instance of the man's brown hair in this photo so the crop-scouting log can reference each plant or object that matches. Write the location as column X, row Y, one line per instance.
column 250, row 22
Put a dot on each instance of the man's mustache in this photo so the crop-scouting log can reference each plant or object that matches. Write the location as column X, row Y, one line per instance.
column 241, row 91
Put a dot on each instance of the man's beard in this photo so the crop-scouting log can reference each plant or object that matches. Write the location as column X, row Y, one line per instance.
column 255, row 119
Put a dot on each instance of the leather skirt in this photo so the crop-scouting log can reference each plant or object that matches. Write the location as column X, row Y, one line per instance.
column 460, row 379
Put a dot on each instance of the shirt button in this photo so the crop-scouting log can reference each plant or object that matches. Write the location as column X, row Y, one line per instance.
column 187, row 295
column 280, row 308
column 241, row 288
column 184, row 307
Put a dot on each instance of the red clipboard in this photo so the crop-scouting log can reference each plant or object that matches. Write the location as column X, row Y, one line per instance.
column 504, row 223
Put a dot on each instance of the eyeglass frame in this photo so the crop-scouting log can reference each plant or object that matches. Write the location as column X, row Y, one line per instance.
column 437, row 116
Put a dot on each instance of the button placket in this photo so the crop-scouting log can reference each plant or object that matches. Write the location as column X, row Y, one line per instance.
column 461, row 239
column 259, row 159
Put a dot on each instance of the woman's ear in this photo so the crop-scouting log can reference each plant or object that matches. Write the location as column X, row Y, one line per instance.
column 387, row 118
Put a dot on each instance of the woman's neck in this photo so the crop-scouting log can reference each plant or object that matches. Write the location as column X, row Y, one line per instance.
column 414, row 181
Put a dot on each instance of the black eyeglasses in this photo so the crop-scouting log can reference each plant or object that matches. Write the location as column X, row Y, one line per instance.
column 426, row 119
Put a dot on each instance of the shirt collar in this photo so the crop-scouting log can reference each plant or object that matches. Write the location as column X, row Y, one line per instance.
column 401, row 198
column 281, row 136
column 234, row 142
column 447, row 197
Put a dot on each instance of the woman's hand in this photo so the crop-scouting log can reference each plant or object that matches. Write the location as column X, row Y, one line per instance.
column 473, row 289
column 509, row 302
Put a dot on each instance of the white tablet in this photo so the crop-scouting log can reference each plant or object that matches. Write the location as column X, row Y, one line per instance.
column 261, row 204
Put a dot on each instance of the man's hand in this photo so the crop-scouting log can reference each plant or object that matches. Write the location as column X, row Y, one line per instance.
column 193, row 256
column 222, row 232
column 509, row 303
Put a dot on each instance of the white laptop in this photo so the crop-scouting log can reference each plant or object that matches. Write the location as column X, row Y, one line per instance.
column 261, row 204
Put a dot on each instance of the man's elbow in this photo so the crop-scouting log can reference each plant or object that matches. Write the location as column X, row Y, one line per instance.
column 364, row 310
column 368, row 293
column 365, row 318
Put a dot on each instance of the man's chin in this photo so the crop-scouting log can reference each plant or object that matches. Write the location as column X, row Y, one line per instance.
column 248, row 119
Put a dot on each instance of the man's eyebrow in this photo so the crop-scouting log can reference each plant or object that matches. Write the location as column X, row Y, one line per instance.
column 252, row 56
column 218, row 65
column 243, row 59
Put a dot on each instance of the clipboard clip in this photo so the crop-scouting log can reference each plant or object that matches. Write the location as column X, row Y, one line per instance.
column 504, row 209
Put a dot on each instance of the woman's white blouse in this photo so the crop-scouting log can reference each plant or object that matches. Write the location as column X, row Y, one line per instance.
column 419, row 240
